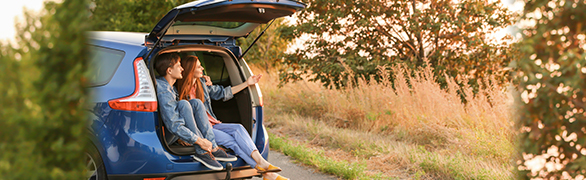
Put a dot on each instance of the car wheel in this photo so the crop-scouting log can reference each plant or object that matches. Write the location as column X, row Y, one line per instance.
column 94, row 166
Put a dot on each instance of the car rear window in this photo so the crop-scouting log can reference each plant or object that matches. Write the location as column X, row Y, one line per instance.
column 214, row 67
column 103, row 64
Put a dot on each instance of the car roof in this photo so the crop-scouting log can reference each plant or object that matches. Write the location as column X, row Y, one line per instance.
column 129, row 38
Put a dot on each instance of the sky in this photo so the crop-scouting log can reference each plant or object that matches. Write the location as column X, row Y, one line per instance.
column 10, row 11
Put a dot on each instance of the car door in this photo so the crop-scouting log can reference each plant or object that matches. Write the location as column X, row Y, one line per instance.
column 202, row 17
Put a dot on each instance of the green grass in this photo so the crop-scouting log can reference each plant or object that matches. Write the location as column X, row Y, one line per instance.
column 418, row 129
column 315, row 158
column 409, row 161
column 454, row 166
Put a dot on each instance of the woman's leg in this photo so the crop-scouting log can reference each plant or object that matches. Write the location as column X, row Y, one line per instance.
column 228, row 141
column 240, row 135
column 236, row 136
column 260, row 160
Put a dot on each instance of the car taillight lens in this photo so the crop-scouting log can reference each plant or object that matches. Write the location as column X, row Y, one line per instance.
column 144, row 97
column 159, row 178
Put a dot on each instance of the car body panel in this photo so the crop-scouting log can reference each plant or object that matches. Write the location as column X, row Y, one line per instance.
column 118, row 87
column 260, row 135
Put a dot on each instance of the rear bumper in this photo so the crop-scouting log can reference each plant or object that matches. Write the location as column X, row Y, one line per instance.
column 236, row 173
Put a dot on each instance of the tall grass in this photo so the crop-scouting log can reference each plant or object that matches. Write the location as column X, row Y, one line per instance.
column 409, row 119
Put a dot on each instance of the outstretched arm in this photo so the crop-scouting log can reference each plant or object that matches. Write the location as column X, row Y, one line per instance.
column 218, row 92
column 251, row 81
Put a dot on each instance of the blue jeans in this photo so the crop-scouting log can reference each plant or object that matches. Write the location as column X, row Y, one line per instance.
column 200, row 122
column 229, row 135
column 235, row 137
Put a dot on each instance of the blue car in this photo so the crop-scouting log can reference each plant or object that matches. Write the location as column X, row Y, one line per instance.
column 128, row 136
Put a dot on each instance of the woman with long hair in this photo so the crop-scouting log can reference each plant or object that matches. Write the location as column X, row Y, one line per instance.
column 198, row 90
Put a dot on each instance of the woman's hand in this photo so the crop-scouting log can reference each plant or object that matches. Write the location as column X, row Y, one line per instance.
column 208, row 80
column 249, row 82
column 253, row 79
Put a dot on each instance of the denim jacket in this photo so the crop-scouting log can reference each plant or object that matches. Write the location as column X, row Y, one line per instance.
column 215, row 92
column 167, row 98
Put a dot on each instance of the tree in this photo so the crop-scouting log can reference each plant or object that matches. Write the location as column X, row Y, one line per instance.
column 43, row 95
column 551, row 80
column 130, row 15
column 365, row 34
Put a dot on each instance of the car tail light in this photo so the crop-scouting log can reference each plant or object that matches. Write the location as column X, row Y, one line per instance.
column 159, row 178
column 144, row 97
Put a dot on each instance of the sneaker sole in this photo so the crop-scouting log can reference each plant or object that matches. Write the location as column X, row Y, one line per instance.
column 226, row 159
column 207, row 165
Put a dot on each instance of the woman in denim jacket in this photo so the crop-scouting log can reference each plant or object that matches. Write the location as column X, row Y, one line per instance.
column 198, row 90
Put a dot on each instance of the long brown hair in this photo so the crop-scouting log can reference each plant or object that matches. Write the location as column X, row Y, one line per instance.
column 185, row 85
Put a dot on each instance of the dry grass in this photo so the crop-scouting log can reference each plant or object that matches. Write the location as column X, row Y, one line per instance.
column 408, row 128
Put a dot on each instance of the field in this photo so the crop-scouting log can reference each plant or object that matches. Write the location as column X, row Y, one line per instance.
column 405, row 128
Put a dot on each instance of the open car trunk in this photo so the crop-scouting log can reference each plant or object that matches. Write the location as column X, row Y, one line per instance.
column 221, row 65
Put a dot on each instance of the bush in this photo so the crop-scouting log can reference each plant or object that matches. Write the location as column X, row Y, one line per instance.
column 44, row 96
